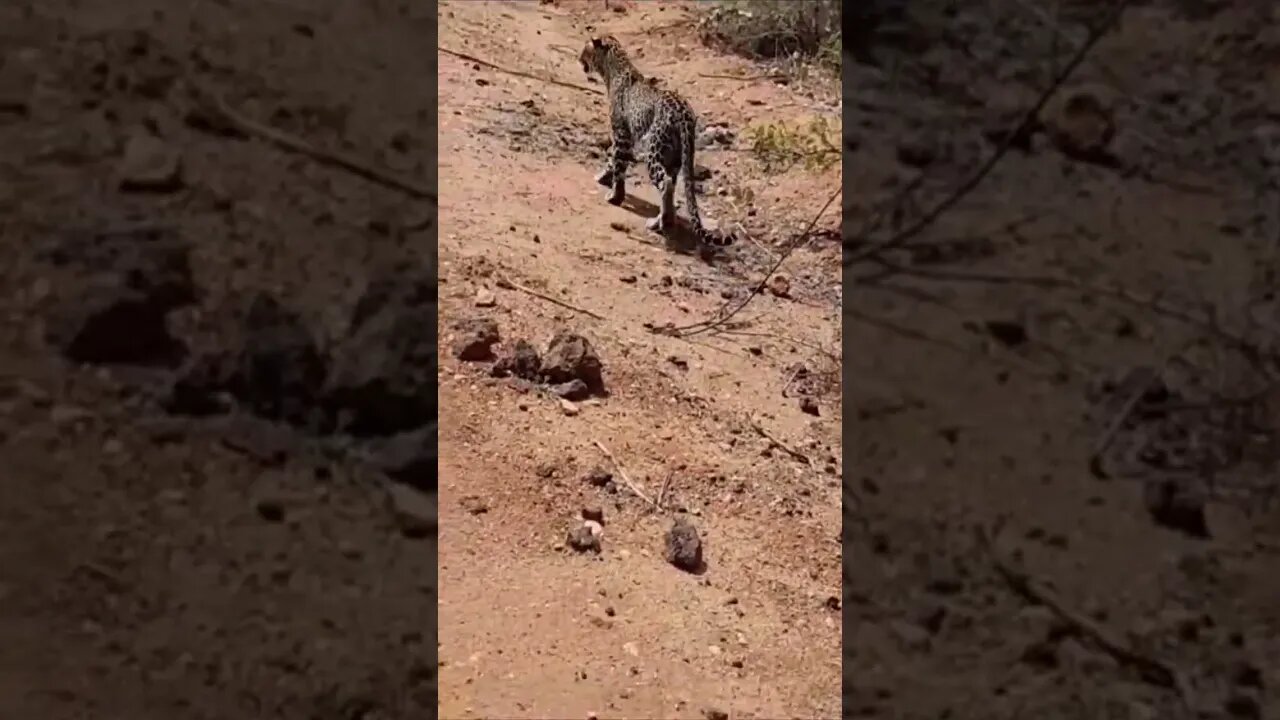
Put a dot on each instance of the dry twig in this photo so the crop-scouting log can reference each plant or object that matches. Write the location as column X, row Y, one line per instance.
column 1151, row 669
column 251, row 128
column 623, row 474
column 519, row 73
column 663, row 492
column 771, row 438
column 1029, row 118
column 722, row 316
column 743, row 78
column 504, row 282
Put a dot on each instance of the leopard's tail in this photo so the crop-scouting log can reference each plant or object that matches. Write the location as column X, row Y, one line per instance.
column 705, row 236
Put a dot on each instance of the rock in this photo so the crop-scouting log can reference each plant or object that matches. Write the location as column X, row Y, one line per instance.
column 268, row 443
column 598, row 477
column 583, row 540
column 201, row 387
column 594, row 513
column 780, row 285
column 1240, row 705
column 414, row 512
column 715, row 135
column 409, row 458
column 918, row 152
column 572, row 390
column 569, row 408
column 809, row 405
column 1041, row 654
column 1006, row 332
column 485, row 298
column 149, row 165
column 117, row 289
column 683, row 546
column 270, row 509
column 1080, row 122
column 474, row 504
column 570, row 357
column 476, row 338
column 596, row 528
column 1175, row 505
column 712, row 713
column 110, row 323
column 523, row 362
column 383, row 377
column 279, row 372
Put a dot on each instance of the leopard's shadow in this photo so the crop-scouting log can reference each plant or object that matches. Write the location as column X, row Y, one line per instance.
column 681, row 239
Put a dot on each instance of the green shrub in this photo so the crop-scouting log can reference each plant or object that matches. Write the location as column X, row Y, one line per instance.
column 776, row 29
column 780, row 147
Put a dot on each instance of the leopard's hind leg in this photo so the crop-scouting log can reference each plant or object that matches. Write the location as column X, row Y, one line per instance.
column 664, row 179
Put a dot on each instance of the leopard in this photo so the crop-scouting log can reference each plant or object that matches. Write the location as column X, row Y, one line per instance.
column 660, row 122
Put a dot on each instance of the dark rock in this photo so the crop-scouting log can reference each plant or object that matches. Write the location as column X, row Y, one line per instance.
column 200, row 388
column 270, row 444
column 1007, row 333
column 583, row 540
column 1177, row 506
column 684, row 547
column 149, row 165
column 1240, row 705
column 918, row 152
column 383, row 380
column 474, row 504
column 572, row 390
column 809, row 405
column 119, row 287
column 404, row 285
column 279, row 372
column 271, row 510
column 593, row 512
column 570, row 357
column 476, row 338
column 414, row 512
column 598, row 477
column 109, row 323
column 715, row 714
column 1080, row 121
column 523, row 362
column 1042, row 655
column 409, row 458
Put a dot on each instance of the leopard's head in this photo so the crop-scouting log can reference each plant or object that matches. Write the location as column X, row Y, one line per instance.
column 597, row 54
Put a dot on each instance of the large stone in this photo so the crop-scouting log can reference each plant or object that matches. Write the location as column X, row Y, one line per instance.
column 570, row 357
column 383, row 378
column 112, row 292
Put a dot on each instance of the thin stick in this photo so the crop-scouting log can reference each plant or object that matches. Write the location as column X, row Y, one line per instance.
column 790, row 451
column 623, row 474
column 757, row 243
column 663, row 492
column 722, row 316
column 252, row 128
column 1122, row 415
column 743, row 78
column 1151, row 669
column 504, row 282
column 1028, row 120
column 519, row 73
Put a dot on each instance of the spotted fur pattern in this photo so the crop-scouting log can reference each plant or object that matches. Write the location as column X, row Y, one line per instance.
column 659, row 122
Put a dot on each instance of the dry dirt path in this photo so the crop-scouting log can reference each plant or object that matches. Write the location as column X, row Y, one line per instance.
column 529, row 628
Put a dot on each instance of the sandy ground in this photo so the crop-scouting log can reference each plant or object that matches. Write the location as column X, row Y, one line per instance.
column 529, row 627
